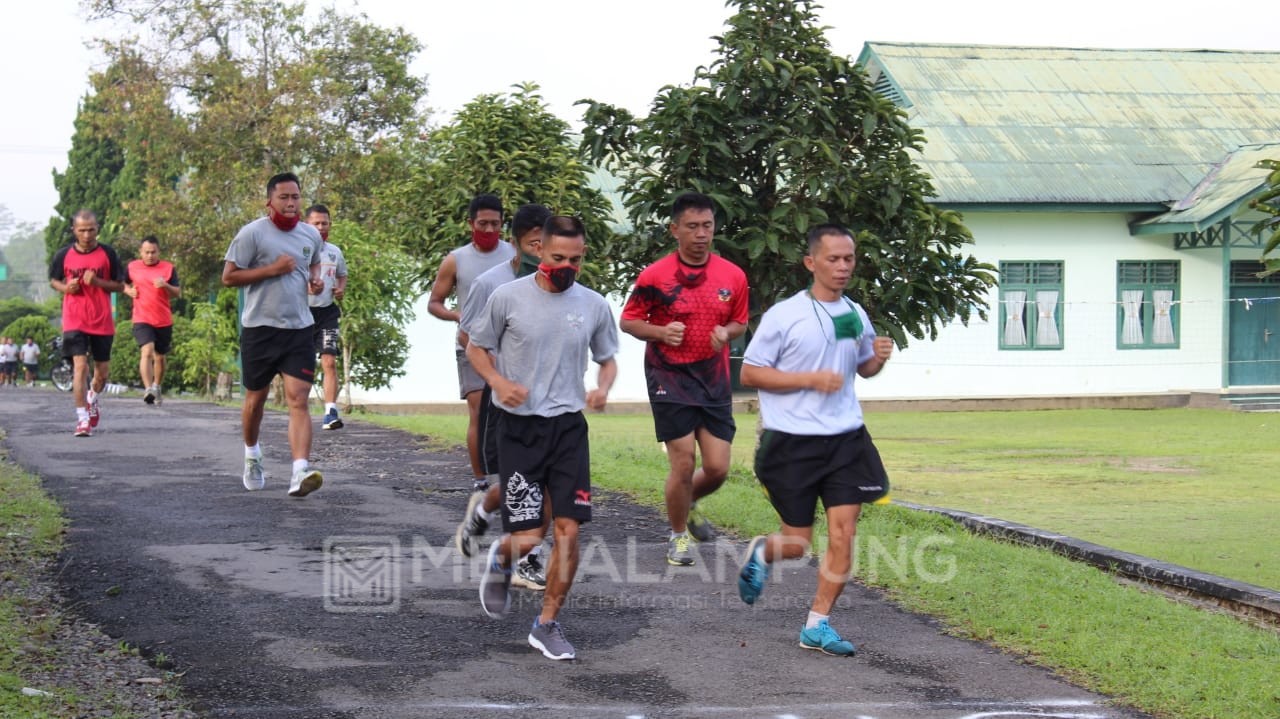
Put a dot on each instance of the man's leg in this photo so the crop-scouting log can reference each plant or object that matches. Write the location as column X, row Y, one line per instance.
column 716, row 454
column 474, row 450
column 562, row 568
column 295, row 396
column 833, row 571
column 80, row 379
column 255, row 400
column 159, row 370
column 101, row 370
column 329, row 365
column 681, row 459
column 147, row 365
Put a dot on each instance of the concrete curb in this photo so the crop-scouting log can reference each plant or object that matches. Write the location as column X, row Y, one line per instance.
column 1253, row 600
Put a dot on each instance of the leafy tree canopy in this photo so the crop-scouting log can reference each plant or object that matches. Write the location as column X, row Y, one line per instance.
column 783, row 134
column 1268, row 202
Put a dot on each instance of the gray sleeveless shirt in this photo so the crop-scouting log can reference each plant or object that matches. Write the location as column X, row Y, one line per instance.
column 469, row 263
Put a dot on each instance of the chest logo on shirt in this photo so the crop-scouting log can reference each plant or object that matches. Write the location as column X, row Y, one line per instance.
column 306, row 252
column 575, row 319
column 724, row 294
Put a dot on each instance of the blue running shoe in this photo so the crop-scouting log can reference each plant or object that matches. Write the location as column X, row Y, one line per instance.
column 826, row 640
column 753, row 575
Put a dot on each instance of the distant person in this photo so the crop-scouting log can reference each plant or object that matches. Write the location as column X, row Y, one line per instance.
column 326, row 312
column 277, row 260
column 542, row 329
column 8, row 362
column 29, row 353
column 153, row 284
column 86, row 272
column 688, row 307
column 458, row 270
column 482, row 508
column 803, row 359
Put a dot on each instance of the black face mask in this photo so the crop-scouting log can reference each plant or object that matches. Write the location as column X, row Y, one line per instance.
column 561, row 278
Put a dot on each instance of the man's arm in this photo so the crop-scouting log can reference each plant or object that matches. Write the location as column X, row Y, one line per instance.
column 446, row 279
column 722, row 335
column 507, row 393
column 597, row 397
column 772, row 379
column 235, row 276
column 669, row 334
column 882, row 348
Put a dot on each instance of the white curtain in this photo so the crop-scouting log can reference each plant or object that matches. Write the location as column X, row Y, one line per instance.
column 1131, row 333
column 1047, row 323
column 1015, row 332
column 1162, row 333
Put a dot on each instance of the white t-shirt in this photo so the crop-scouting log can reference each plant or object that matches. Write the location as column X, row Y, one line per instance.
column 9, row 352
column 797, row 335
column 30, row 353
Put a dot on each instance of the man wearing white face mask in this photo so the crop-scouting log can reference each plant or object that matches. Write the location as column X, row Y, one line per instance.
column 456, row 274
column 542, row 329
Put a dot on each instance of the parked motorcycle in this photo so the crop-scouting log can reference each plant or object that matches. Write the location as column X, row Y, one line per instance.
column 63, row 374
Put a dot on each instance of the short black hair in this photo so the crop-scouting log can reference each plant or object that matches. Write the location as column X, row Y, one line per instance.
column 529, row 217
column 281, row 178
column 563, row 226
column 817, row 232
column 316, row 208
column 484, row 201
column 85, row 213
column 690, row 201
column 152, row 239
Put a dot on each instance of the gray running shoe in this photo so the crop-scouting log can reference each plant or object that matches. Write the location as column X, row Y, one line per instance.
column 495, row 586
column 254, row 477
column 305, row 481
column 698, row 525
column 471, row 527
column 678, row 550
column 150, row 395
column 549, row 639
column 529, row 574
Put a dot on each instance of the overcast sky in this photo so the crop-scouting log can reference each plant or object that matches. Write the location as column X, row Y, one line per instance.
column 615, row 52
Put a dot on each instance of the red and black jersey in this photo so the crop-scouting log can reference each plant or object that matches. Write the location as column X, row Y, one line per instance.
column 701, row 297
column 88, row 310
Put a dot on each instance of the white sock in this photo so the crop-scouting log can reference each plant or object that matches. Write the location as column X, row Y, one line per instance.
column 679, row 534
column 814, row 618
column 82, row 414
column 254, row 452
column 481, row 513
column 760, row 553
column 300, row 465
column 330, row 406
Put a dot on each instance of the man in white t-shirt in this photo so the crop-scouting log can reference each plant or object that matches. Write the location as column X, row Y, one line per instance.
column 803, row 359
column 29, row 353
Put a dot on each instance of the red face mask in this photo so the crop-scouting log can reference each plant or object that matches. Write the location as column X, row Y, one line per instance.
column 279, row 220
column 486, row 241
column 561, row 278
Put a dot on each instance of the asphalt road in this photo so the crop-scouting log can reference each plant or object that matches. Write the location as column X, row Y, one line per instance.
column 352, row 602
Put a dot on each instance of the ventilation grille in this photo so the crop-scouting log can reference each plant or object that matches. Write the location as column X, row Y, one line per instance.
column 1147, row 273
column 1031, row 273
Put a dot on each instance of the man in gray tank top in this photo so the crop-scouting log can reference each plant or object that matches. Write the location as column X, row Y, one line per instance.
column 543, row 329
column 456, row 274
column 276, row 259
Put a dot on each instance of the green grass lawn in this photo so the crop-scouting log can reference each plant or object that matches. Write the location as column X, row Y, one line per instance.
column 1198, row 488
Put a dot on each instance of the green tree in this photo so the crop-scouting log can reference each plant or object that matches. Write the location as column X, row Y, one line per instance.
column 377, row 305
column 13, row 308
column 783, row 134
column 28, row 260
column 208, row 345
column 510, row 145
column 1268, row 203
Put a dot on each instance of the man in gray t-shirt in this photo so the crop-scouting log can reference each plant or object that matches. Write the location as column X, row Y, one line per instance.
column 277, row 260
column 543, row 329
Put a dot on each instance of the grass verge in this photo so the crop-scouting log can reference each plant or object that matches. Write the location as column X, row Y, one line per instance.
column 1147, row 651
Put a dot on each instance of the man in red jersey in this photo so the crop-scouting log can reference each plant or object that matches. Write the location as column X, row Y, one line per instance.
column 86, row 273
column 688, row 307
column 152, row 283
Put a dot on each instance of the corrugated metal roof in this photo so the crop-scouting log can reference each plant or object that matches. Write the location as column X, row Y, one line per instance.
column 1223, row 189
column 1058, row 125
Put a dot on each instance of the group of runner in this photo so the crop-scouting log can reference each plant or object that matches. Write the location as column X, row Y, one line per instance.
column 11, row 355
column 527, row 331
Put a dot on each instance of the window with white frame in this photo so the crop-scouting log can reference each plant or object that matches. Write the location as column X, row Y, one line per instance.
column 1147, row 295
column 1031, row 305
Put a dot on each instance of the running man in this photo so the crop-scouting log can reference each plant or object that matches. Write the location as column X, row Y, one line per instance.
column 277, row 260
column 482, row 507
column 30, row 355
column 326, row 312
column 9, row 354
column 542, row 329
column 86, row 272
column 803, row 359
column 688, row 307
column 458, row 270
column 153, row 284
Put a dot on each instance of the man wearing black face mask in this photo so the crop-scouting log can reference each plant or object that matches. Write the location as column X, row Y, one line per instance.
column 542, row 329
column 457, row 272
column 688, row 307
column 526, row 228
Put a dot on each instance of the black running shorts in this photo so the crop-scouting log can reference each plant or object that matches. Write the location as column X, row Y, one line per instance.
column 266, row 351
column 543, row 458
column 76, row 343
column 162, row 337
column 798, row 470
column 673, row 421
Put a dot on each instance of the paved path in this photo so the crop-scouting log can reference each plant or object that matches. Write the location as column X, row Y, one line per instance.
column 352, row 603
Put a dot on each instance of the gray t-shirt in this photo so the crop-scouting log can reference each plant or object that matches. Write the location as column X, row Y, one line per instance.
column 541, row 340
column 470, row 263
column 279, row 301
column 481, row 289
column 332, row 266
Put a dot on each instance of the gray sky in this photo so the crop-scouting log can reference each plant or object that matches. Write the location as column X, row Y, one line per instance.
column 620, row 53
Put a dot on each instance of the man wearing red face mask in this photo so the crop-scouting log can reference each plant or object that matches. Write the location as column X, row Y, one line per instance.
column 688, row 307
column 276, row 259
column 543, row 329
column 458, row 270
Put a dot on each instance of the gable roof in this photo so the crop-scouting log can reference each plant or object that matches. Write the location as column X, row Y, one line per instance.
column 1026, row 125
